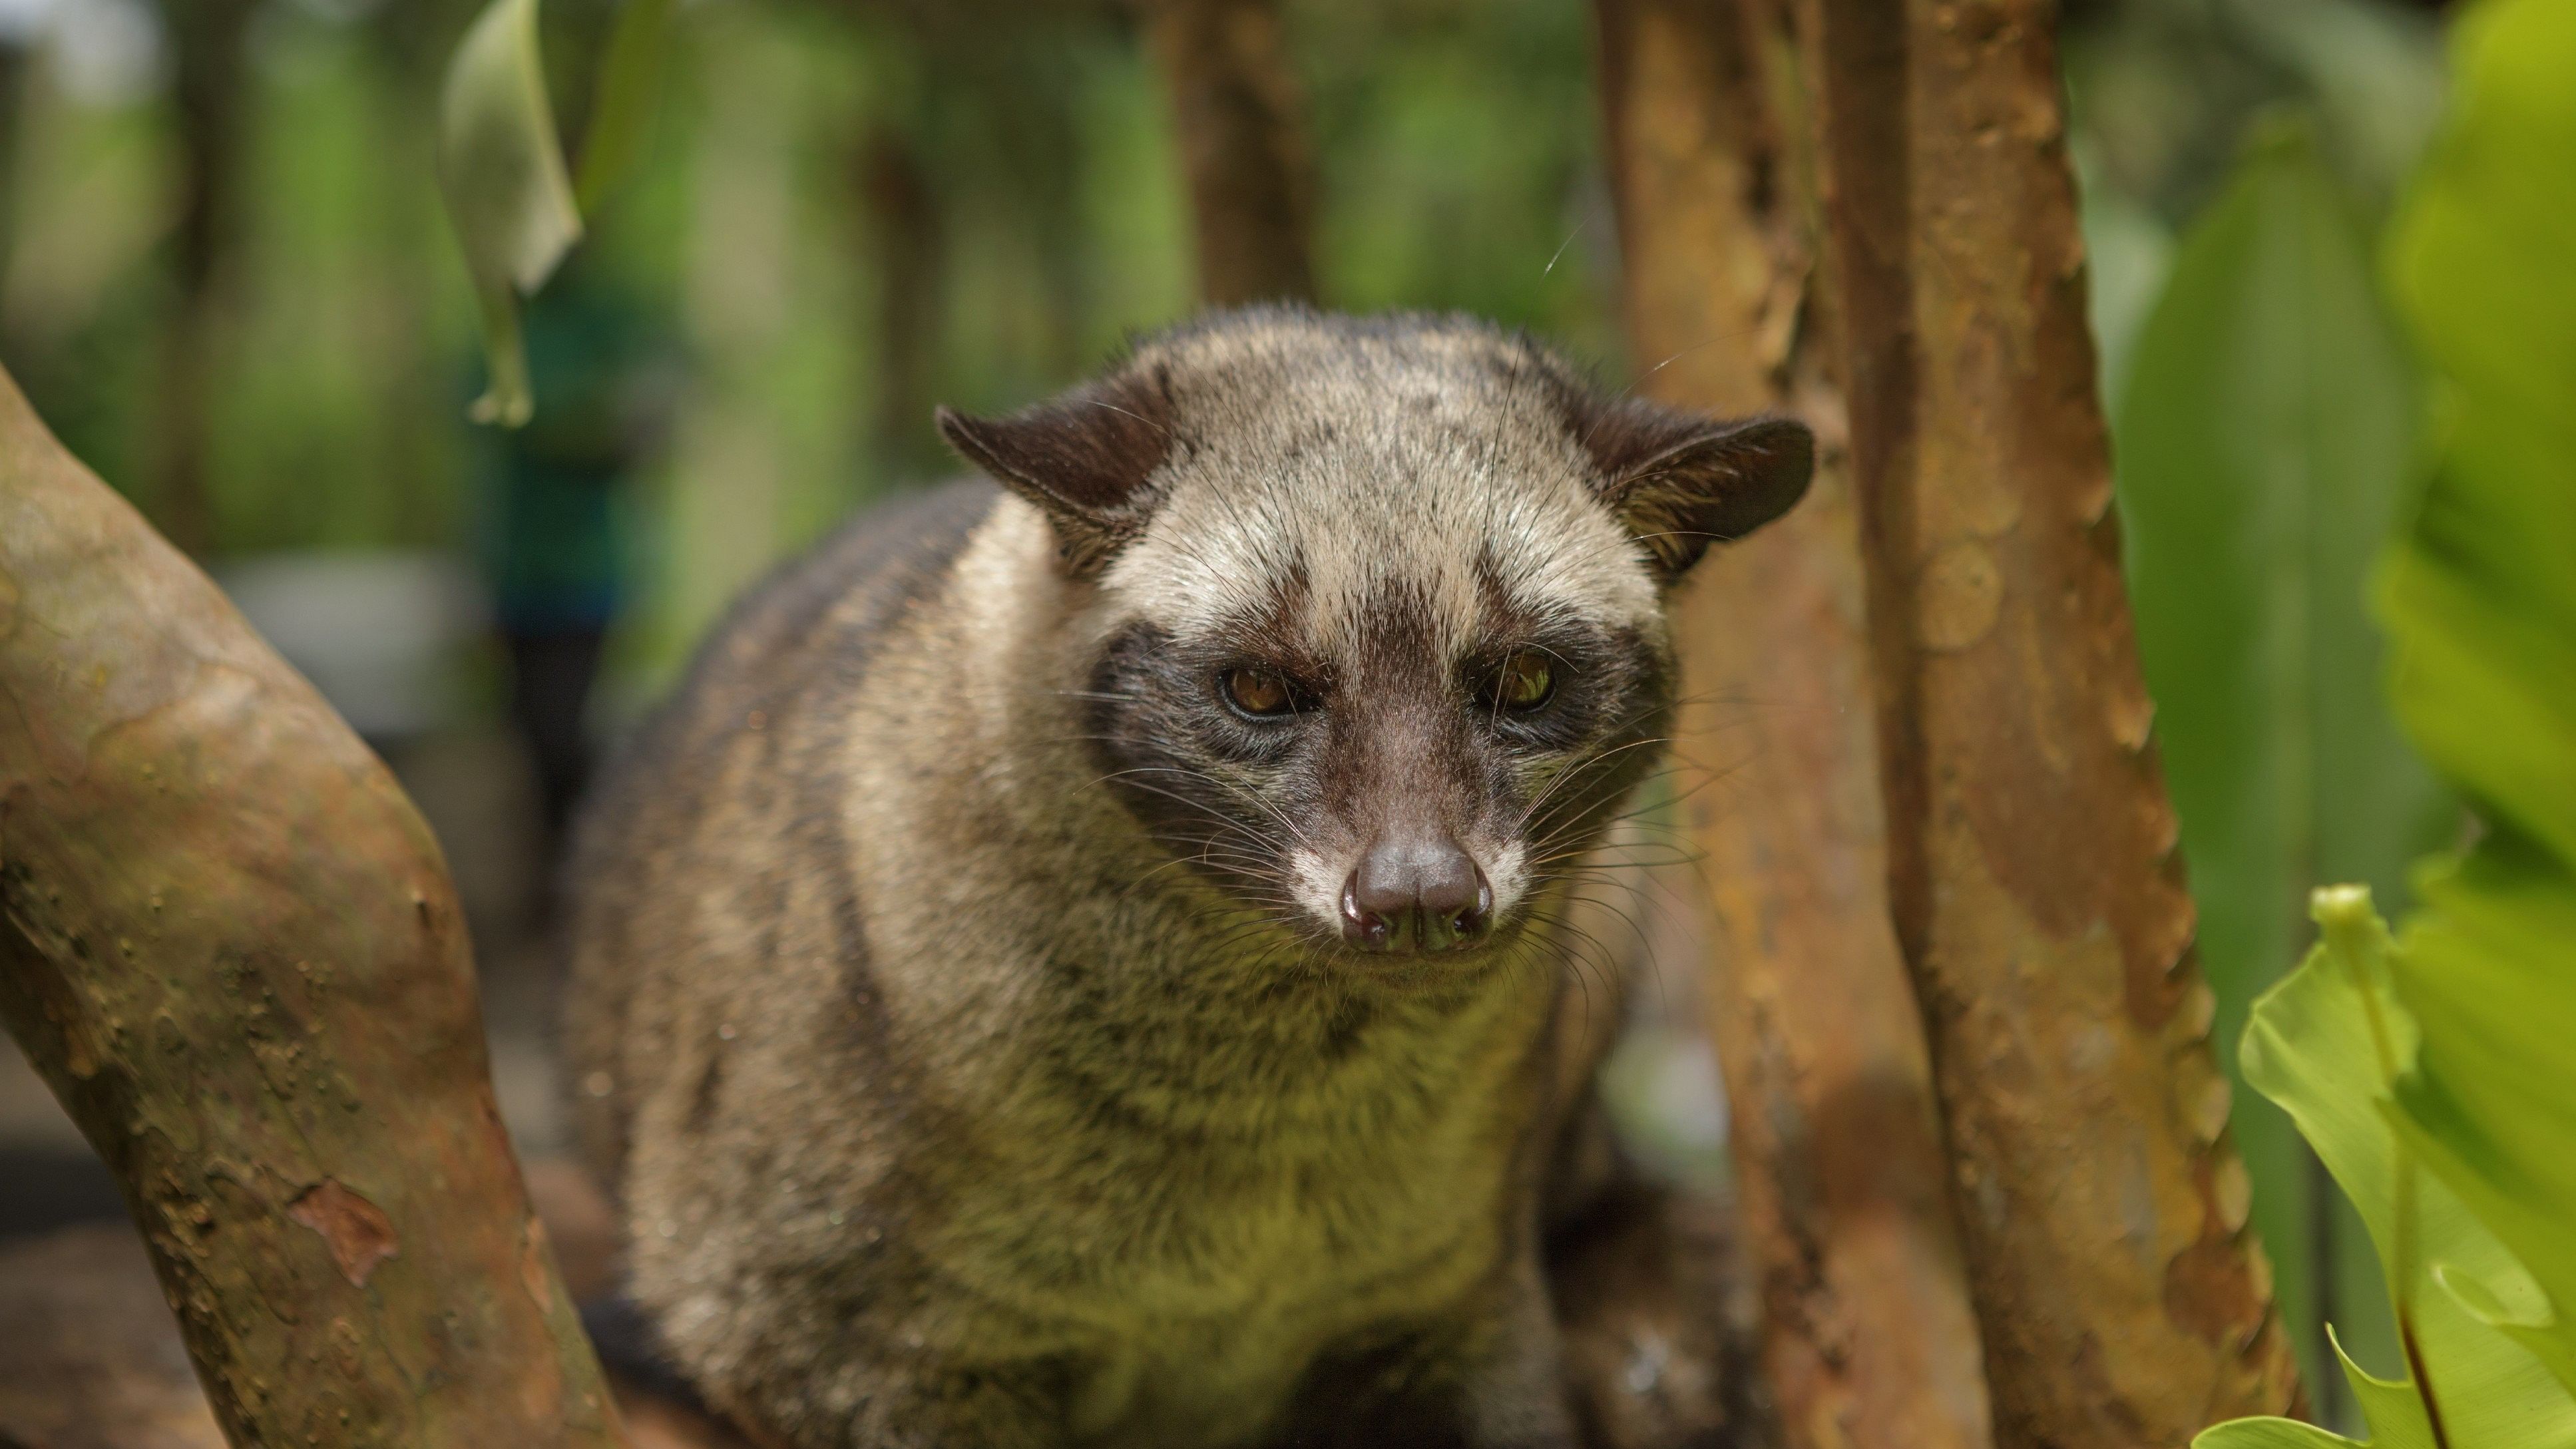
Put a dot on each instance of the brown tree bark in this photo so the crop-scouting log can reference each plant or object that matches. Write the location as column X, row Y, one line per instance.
column 2035, row 884
column 230, row 945
column 902, row 206
column 1869, row 1337
column 1240, row 122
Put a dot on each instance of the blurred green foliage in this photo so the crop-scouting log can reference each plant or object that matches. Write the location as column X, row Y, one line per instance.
column 845, row 212
column 2268, row 425
column 2276, row 447
column 845, row 205
column 2268, row 440
column 2433, row 1072
column 2480, row 599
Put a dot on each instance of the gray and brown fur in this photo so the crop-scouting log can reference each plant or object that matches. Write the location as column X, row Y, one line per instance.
column 958, row 1008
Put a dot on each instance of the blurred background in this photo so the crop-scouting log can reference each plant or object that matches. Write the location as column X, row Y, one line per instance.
column 226, row 281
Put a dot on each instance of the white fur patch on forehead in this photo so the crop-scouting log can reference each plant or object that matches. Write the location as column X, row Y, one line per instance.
column 1338, row 465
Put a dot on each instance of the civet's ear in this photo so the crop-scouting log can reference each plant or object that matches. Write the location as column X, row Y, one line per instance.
column 1085, row 457
column 1682, row 482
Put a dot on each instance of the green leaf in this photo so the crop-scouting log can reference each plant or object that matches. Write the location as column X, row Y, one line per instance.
column 501, row 167
column 2481, row 602
column 2269, row 1434
column 2267, row 446
column 2483, row 593
column 2490, row 972
column 630, row 80
column 2391, row 1408
column 2314, row 1048
column 2469, row 1044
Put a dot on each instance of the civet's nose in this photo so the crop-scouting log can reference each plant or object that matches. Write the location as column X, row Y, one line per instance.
column 1415, row 895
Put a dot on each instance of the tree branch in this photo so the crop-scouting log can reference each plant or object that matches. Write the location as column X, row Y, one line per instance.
column 1236, row 110
column 2035, row 883
column 1869, row 1337
column 229, row 944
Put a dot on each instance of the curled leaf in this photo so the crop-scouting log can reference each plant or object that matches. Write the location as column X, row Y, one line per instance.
column 2334, row 1044
column 2389, row 1406
column 501, row 168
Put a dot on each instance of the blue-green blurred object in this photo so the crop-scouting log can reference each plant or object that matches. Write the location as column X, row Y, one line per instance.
column 554, row 536
column 555, row 543
column 2164, row 90
column 2128, row 255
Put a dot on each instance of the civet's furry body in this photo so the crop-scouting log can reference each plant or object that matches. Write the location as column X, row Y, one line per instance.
column 957, row 1006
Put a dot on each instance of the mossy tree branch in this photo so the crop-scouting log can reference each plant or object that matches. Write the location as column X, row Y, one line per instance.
column 230, row 945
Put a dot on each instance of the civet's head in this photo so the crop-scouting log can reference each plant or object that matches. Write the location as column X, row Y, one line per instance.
column 1382, row 643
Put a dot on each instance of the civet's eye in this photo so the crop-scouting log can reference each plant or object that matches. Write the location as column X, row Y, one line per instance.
column 1257, row 692
column 1525, row 682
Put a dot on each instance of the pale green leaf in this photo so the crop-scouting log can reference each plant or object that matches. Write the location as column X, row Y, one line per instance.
column 2489, row 971
column 2269, row 1434
column 2483, row 594
column 501, row 167
column 2519, row 1310
column 2471, row 1194
column 2391, row 1408
column 2392, row 1411
column 2312, row 1047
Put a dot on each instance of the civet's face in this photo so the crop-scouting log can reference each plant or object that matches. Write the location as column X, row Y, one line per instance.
column 1384, row 643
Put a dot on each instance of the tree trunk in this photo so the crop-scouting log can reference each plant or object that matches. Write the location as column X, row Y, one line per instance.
column 209, row 85
column 2034, row 880
column 230, row 946
column 1236, row 111
column 908, row 312
column 1869, row 1337
column 17, row 62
